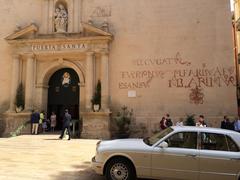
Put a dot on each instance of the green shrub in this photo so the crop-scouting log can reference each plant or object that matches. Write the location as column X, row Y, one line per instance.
column 96, row 99
column 20, row 101
column 190, row 120
column 123, row 121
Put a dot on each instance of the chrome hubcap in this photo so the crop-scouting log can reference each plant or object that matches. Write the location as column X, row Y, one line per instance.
column 119, row 172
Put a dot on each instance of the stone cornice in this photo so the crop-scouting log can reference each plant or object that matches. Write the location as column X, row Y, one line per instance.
column 94, row 39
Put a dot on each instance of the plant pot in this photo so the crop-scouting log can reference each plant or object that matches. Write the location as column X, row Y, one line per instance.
column 96, row 107
column 19, row 109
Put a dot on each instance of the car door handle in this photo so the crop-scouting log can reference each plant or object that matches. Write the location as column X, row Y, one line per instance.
column 191, row 155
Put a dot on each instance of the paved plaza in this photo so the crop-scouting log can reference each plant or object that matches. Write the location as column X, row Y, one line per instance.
column 47, row 158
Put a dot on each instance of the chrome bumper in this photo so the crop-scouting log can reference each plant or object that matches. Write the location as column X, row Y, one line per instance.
column 96, row 166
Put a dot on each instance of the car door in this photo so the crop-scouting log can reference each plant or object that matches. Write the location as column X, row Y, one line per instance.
column 179, row 160
column 219, row 157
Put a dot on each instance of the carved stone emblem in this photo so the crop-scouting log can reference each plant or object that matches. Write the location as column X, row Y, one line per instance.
column 99, row 11
column 60, row 19
column 196, row 96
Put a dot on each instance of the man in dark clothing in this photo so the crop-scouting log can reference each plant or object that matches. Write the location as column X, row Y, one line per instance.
column 66, row 124
column 35, row 116
column 226, row 124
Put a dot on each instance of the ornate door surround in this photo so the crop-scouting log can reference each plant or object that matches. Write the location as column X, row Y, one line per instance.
column 37, row 56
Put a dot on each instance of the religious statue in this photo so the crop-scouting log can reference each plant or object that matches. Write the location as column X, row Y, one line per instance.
column 60, row 19
column 66, row 79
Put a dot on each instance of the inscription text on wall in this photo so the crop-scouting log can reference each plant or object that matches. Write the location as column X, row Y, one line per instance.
column 58, row 47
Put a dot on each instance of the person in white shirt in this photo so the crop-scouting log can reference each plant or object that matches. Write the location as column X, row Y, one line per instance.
column 201, row 122
column 180, row 122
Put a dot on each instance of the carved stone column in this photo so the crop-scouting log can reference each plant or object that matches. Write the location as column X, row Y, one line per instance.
column 15, row 82
column 29, row 82
column 51, row 10
column 89, row 80
column 81, row 97
column 105, row 81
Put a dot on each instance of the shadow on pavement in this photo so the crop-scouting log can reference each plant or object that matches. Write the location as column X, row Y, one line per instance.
column 82, row 172
column 55, row 139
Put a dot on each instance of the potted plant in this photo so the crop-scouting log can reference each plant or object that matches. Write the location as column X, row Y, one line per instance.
column 123, row 121
column 20, row 102
column 190, row 120
column 96, row 100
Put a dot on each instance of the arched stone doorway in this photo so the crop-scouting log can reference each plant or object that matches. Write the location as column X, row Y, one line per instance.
column 63, row 92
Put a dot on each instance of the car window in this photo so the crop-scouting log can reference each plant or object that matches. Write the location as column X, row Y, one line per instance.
column 212, row 141
column 232, row 145
column 183, row 140
column 156, row 137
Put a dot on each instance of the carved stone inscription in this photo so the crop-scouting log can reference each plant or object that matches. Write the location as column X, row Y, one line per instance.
column 177, row 72
column 138, row 79
column 176, row 60
column 153, row 69
column 104, row 11
column 58, row 47
column 203, row 77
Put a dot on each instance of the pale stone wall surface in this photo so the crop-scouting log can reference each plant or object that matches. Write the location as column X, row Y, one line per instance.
column 14, row 13
column 161, row 51
column 156, row 41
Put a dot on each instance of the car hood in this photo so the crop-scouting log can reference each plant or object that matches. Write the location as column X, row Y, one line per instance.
column 123, row 144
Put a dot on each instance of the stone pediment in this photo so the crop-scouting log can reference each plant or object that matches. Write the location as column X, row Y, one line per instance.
column 30, row 34
column 92, row 29
column 28, row 30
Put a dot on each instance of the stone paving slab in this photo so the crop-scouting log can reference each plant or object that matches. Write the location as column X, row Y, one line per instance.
column 45, row 157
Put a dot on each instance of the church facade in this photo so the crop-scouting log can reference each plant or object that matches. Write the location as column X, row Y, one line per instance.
column 155, row 57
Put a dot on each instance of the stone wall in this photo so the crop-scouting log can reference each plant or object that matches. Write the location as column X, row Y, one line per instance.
column 10, row 122
column 166, row 57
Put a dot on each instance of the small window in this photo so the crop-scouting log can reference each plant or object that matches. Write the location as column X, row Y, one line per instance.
column 232, row 145
column 183, row 140
column 211, row 141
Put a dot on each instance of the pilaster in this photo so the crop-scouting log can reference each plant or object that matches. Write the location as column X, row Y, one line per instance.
column 89, row 80
column 15, row 81
column 105, row 80
column 29, row 82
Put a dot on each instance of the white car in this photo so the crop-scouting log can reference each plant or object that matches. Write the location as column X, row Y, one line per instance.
column 176, row 153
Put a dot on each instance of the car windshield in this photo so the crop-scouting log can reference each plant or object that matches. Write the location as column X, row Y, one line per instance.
column 156, row 137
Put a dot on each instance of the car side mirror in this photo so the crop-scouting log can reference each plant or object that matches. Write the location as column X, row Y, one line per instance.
column 163, row 144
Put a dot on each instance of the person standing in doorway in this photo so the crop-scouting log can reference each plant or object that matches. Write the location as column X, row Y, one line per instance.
column 53, row 119
column 41, row 120
column 66, row 124
column 35, row 121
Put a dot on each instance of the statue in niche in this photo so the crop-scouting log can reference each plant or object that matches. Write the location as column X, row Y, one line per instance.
column 60, row 19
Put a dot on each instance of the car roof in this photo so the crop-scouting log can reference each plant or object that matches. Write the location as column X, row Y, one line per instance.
column 235, row 135
column 204, row 129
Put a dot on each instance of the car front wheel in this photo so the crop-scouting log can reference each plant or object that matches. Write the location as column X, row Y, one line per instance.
column 120, row 169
